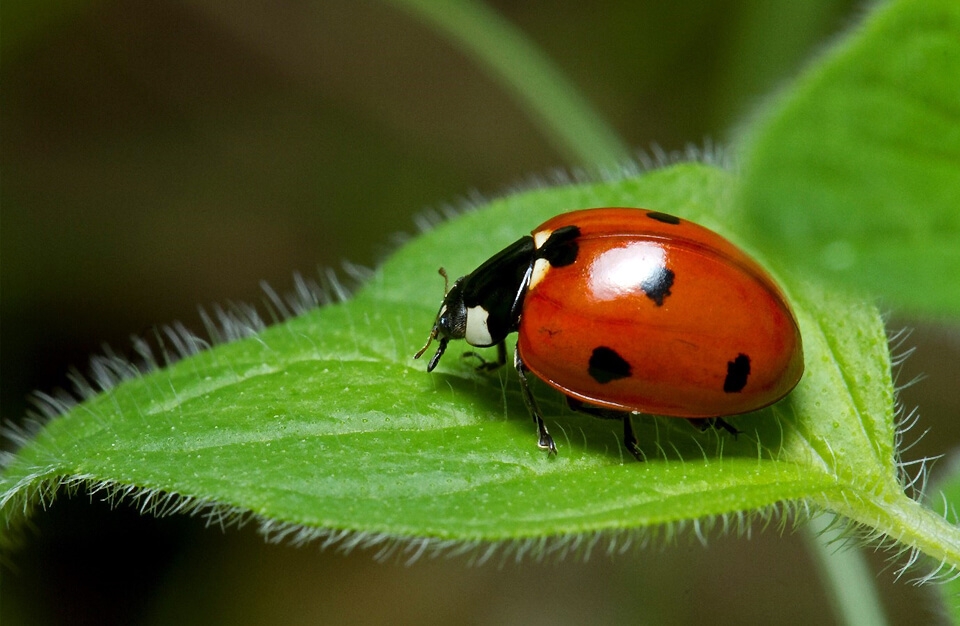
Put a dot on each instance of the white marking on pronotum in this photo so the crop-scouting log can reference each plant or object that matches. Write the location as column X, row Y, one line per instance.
column 477, row 332
column 540, row 266
column 540, row 237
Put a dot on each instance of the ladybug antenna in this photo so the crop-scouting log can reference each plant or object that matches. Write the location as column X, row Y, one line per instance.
column 435, row 330
column 446, row 280
column 439, row 353
column 433, row 335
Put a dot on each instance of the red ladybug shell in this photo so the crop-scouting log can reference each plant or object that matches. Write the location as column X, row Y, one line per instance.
column 657, row 315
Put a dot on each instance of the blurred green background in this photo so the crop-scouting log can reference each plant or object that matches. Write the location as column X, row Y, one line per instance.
column 159, row 156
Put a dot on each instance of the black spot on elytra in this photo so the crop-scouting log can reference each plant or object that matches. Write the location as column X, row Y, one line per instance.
column 606, row 365
column 561, row 248
column 657, row 284
column 666, row 218
column 737, row 372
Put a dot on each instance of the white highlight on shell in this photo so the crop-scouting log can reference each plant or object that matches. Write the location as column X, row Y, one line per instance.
column 622, row 270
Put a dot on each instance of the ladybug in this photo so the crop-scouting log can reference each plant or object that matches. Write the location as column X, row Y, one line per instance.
column 629, row 311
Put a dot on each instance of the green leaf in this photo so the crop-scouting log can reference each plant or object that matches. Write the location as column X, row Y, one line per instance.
column 854, row 173
column 325, row 425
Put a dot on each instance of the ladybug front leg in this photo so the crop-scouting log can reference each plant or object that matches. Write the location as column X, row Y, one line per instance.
column 489, row 366
column 546, row 441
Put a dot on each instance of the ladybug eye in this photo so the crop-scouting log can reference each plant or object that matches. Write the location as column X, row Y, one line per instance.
column 453, row 321
column 452, row 317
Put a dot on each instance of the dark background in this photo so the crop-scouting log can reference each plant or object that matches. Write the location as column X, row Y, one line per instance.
column 159, row 156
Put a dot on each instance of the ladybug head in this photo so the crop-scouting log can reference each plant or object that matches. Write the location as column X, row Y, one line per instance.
column 451, row 322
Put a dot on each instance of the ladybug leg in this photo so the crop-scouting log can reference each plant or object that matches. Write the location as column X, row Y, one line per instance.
column 630, row 438
column 715, row 423
column 546, row 441
column 630, row 441
column 489, row 366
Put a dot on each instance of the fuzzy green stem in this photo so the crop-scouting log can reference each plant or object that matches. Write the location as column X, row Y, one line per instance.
column 905, row 521
column 845, row 571
column 563, row 115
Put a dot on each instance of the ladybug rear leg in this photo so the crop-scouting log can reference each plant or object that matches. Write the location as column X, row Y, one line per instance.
column 546, row 441
column 716, row 423
column 489, row 366
column 630, row 441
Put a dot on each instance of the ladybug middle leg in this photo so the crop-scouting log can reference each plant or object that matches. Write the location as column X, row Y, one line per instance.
column 630, row 441
column 716, row 423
